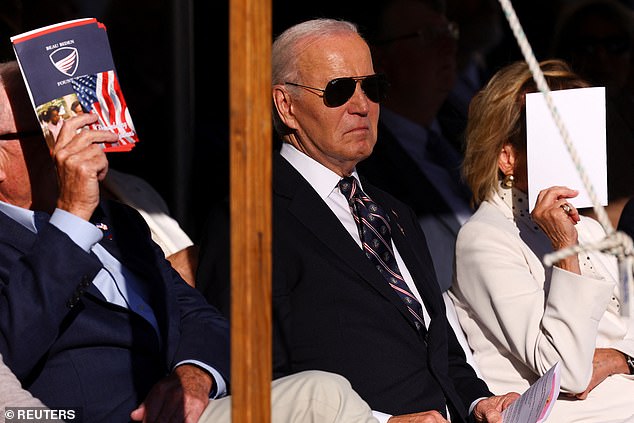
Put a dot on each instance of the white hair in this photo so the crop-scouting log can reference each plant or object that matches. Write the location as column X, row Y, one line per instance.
column 284, row 52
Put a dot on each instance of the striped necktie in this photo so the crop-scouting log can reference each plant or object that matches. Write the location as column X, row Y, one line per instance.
column 376, row 236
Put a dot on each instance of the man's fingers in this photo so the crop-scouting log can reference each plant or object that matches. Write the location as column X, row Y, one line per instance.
column 493, row 416
column 89, row 162
column 71, row 127
column 85, row 139
column 138, row 414
column 582, row 395
column 72, row 133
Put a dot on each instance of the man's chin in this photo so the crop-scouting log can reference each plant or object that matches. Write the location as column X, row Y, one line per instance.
column 364, row 153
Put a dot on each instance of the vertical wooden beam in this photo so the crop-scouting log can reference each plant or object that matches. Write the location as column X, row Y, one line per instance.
column 251, row 269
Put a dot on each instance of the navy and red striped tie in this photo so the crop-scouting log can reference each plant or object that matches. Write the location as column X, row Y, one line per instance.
column 376, row 236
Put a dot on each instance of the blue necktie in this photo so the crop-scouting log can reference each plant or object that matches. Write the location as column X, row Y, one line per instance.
column 40, row 218
column 376, row 236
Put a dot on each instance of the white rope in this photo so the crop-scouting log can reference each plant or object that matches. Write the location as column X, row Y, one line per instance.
column 619, row 245
column 616, row 243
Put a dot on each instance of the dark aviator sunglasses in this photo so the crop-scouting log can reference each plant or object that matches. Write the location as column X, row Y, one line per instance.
column 339, row 90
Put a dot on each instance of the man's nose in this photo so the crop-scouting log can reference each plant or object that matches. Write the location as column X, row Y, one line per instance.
column 359, row 102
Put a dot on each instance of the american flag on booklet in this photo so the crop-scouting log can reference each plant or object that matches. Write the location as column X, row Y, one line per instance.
column 101, row 94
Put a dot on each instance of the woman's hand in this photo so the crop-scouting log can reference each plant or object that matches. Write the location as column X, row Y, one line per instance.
column 557, row 218
column 606, row 362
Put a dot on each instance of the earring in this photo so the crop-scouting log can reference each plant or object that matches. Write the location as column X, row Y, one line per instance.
column 508, row 181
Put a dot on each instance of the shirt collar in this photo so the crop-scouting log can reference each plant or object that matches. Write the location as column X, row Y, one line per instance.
column 516, row 203
column 322, row 179
column 25, row 217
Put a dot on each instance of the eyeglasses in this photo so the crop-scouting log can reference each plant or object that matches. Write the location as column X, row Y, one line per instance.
column 20, row 135
column 428, row 34
column 340, row 90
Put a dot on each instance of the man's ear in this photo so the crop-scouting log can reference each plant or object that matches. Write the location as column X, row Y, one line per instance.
column 506, row 159
column 284, row 105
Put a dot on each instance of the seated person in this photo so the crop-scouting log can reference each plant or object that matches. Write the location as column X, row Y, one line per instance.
column 354, row 297
column 91, row 314
column 520, row 318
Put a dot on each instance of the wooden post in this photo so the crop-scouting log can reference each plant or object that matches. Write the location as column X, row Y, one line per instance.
column 251, row 151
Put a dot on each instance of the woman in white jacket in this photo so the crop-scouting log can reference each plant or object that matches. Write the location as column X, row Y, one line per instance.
column 520, row 317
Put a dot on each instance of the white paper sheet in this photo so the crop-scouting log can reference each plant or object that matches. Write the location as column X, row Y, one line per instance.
column 548, row 159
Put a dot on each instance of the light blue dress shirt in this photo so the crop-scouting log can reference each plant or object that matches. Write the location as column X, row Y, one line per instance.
column 116, row 283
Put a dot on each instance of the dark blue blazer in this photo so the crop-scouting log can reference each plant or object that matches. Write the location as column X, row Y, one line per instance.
column 333, row 311
column 70, row 347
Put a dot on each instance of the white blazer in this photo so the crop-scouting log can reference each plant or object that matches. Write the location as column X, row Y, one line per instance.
column 520, row 318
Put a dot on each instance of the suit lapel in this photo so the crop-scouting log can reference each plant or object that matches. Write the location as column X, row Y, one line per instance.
column 122, row 242
column 128, row 243
column 309, row 209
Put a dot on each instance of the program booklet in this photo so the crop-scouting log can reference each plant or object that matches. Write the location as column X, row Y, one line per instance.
column 68, row 69
column 534, row 405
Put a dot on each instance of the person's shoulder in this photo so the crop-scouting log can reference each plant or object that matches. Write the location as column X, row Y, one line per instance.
column 135, row 191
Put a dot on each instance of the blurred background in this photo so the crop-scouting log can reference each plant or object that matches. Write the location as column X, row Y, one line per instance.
column 172, row 60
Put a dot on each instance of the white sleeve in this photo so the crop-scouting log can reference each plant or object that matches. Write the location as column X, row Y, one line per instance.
column 503, row 283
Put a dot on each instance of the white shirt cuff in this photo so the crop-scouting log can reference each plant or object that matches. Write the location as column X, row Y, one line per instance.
column 381, row 417
column 474, row 403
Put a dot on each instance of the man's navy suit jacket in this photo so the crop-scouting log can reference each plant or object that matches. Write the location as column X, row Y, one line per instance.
column 333, row 310
column 70, row 347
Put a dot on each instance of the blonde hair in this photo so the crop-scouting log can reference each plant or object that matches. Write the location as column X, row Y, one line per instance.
column 497, row 117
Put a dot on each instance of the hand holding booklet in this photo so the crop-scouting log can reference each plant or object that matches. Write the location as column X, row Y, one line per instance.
column 68, row 69
column 534, row 405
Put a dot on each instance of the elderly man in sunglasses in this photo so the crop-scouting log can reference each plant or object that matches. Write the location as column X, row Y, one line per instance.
column 354, row 289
